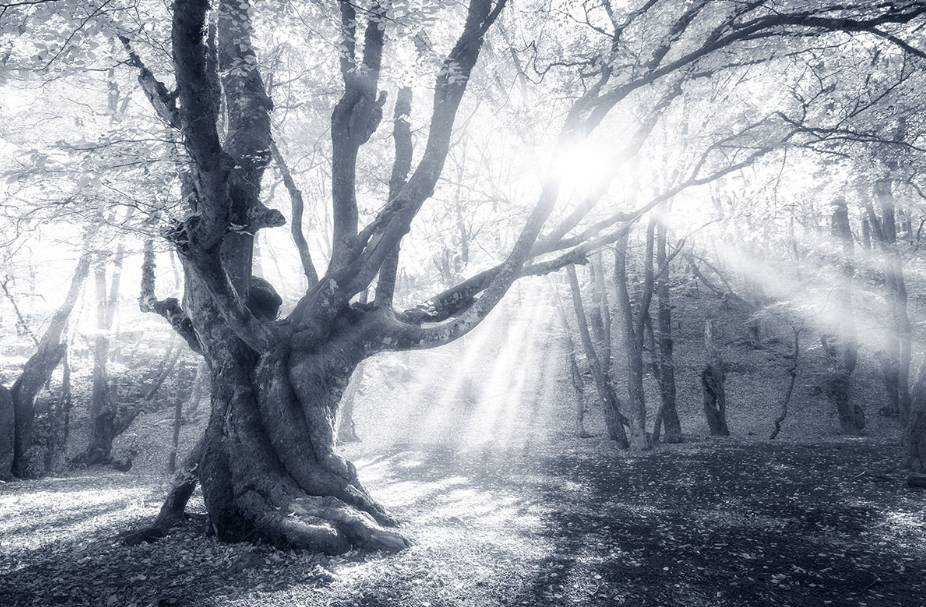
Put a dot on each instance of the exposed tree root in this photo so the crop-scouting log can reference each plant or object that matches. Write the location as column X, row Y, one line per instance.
column 326, row 524
column 172, row 510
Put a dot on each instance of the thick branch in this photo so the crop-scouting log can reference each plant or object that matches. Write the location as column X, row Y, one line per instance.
column 380, row 238
column 402, row 133
column 354, row 119
column 198, row 119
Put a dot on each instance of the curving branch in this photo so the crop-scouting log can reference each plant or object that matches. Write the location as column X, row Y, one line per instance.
column 730, row 32
column 405, row 329
column 355, row 269
column 298, row 209
column 168, row 308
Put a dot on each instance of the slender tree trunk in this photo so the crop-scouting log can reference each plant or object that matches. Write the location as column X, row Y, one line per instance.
column 60, row 415
column 914, row 434
column 298, row 209
column 843, row 349
column 109, row 419
column 172, row 510
column 7, row 434
column 578, row 384
column 604, row 310
column 663, row 337
column 347, row 430
column 712, row 380
column 609, row 402
column 604, row 307
column 895, row 362
column 99, row 396
column 634, row 333
column 657, row 373
column 175, row 438
column 792, row 374
column 196, row 393
column 168, row 363
column 36, row 373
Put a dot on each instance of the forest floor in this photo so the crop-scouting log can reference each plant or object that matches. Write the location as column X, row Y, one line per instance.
column 471, row 447
column 711, row 522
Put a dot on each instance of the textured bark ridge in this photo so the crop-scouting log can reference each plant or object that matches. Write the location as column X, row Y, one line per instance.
column 269, row 469
column 712, row 380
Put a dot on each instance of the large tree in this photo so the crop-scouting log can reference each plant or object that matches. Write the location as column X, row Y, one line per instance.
column 267, row 463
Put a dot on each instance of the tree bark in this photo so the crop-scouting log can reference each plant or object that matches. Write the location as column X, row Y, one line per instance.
column 298, row 209
column 914, row 434
column 614, row 419
column 792, row 374
column 598, row 326
column 110, row 419
column 712, row 380
column 167, row 366
column 347, row 431
column 60, row 416
column 269, row 470
column 569, row 348
column 175, row 437
column 663, row 338
column 843, row 348
column 196, row 393
column 7, row 434
column 36, row 373
column 895, row 361
column 172, row 510
column 633, row 330
column 106, row 301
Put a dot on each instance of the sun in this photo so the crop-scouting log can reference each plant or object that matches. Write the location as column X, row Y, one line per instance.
column 582, row 167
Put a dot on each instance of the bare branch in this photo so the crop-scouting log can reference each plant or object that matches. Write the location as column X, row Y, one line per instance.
column 298, row 208
column 163, row 101
column 168, row 308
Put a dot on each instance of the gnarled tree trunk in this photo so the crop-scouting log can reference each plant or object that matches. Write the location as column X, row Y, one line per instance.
column 269, row 460
column 712, row 380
